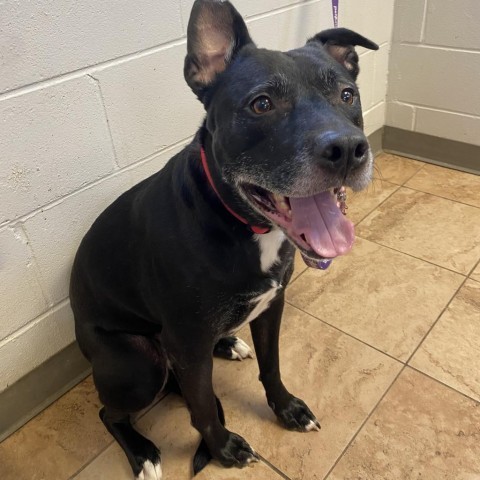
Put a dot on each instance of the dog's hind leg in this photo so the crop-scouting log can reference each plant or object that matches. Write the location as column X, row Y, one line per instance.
column 129, row 371
column 232, row 348
column 142, row 454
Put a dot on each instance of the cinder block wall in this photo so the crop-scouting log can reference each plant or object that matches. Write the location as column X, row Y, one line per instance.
column 435, row 69
column 92, row 100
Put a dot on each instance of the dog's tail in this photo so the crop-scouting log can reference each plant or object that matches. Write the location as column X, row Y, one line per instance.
column 202, row 456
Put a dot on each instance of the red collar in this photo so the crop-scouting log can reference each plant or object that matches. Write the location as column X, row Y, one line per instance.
column 253, row 228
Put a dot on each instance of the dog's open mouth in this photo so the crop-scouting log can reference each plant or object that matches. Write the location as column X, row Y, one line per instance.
column 316, row 224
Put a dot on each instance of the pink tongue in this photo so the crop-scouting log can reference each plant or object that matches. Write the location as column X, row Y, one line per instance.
column 328, row 232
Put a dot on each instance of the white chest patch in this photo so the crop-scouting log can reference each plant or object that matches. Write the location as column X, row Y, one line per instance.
column 261, row 302
column 269, row 245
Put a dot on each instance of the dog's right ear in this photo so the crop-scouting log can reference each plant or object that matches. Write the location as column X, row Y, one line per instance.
column 216, row 33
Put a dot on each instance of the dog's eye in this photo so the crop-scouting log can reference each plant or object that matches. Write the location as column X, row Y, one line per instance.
column 348, row 95
column 261, row 105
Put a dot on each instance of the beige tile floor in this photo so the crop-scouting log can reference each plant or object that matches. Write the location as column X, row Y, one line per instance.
column 384, row 347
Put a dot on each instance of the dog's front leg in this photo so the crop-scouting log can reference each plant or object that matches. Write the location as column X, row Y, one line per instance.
column 291, row 411
column 193, row 370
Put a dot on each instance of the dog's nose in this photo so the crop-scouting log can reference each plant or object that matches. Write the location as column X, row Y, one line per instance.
column 337, row 149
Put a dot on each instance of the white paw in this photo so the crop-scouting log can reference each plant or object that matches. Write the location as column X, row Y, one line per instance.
column 151, row 471
column 241, row 350
column 253, row 459
column 312, row 426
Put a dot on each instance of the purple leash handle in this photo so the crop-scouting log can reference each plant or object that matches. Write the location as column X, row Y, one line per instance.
column 335, row 12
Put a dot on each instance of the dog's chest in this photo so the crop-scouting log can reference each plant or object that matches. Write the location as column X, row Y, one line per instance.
column 269, row 246
column 262, row 302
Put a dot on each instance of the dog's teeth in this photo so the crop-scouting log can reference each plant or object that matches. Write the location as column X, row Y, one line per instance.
column 342, row 199
column 281, row 204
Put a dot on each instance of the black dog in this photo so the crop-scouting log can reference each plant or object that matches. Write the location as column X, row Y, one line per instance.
column 181, row 261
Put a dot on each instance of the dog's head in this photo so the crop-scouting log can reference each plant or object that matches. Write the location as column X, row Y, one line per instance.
column 284, row 129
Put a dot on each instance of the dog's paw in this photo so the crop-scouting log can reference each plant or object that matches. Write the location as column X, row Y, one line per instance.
column 241, row 350
column 145, row 460
column 232, row 348
column 150, row 471
column 236, row 452
column 296, row 416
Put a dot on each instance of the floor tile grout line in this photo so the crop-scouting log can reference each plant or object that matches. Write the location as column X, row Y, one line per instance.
column 453, row 389
column 415, row 174
column 273, row 467
column 379, row 179
column 471, row 271
column 297, row 277
column 407, row 187
column 391, row 248
column 421, row 167
column 405, row 367
column 449, row 302
column 89, row 462
column 112, row 442
column 380, row 204
column 376, row 242
column 398, row 185
column 437, row 320
column 407, row 362
column 404, row 185
column 346, row 333
column 364, row 422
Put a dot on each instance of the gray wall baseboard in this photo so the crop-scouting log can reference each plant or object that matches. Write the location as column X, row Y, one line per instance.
column 375, row 140
column 42, row 386
column 436, row 150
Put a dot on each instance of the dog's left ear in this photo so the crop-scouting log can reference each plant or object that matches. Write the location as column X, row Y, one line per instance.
column 340, row 43
column 216, row 33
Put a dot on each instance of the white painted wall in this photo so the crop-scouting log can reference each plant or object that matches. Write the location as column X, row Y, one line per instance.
column 435, row 69
column 92, row 100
